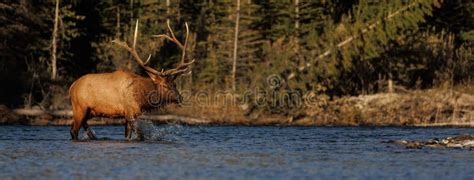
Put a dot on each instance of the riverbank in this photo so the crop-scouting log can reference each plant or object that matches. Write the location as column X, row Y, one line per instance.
column 421, row 108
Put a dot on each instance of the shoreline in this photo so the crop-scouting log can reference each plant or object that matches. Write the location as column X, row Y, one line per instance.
column 121, row 122
column 421, row 108
column 191, row 121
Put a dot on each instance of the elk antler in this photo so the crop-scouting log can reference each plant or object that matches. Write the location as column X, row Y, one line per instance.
column 182, row 67
column 134, row 53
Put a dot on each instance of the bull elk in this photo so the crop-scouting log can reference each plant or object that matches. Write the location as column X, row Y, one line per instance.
column 123, row 93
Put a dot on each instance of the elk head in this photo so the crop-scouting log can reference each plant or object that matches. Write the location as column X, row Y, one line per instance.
column 165, row 87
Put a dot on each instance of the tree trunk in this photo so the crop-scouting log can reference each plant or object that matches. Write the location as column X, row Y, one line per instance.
column 129, row 63
column 297, row 24
column 390, row 86
column 54, row 43
column 236, row 38
column 297, row 17
column 118, row 22
column 168, row 11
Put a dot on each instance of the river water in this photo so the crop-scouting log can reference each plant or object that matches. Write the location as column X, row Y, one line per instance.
column 218, row 152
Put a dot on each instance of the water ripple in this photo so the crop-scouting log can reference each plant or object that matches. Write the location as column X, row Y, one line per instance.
column 177, row 151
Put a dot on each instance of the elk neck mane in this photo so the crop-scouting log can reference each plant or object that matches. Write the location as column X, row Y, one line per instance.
column 139, row 87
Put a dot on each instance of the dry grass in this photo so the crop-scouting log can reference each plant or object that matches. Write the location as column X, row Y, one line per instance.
column 433, row 107
column 414, row 108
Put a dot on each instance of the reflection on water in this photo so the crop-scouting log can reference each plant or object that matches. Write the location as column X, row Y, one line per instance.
column 174, row 151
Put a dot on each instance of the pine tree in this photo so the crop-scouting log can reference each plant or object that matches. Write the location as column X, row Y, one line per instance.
column 361, row 35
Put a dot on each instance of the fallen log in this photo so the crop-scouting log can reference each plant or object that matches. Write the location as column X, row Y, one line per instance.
column 174, row 119
column 40, row 112
column 64, row 117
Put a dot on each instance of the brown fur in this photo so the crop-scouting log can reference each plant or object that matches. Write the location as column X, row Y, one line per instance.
column 117, row 94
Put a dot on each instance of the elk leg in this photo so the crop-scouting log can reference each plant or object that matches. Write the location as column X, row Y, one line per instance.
column 79, row 117
column 75, row 130
column 139, row 132
column 128, row 129
column 89, row 131
column 132, row 126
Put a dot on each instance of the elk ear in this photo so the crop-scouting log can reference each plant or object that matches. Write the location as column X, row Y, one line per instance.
column 156, row 78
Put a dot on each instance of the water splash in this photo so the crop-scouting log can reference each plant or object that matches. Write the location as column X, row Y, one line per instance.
column 86, row 136
column 154, row 132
